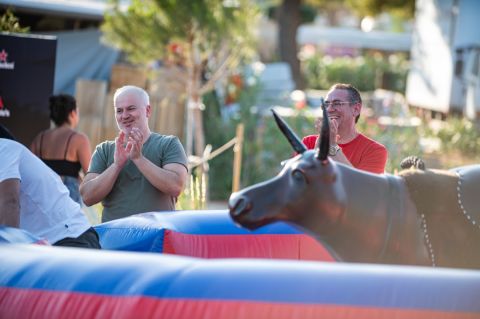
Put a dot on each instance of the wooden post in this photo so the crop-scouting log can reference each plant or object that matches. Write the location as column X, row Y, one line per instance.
column 237, row 158
column 205, row 177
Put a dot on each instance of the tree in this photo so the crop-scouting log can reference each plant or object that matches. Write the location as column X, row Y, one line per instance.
column 289, row 19
column 402, row 8
column 205, row 37
column 9, row 23
column 288, row 22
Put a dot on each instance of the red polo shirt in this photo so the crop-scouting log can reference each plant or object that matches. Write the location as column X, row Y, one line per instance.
column 363, row 152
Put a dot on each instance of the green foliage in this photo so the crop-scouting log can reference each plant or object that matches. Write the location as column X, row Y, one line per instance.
column 9, row 23
column 402, row 8
column 461, row 135
column 399, row 141
column 264, row 146
column 148, row 27
column 459, row 142
column 367, row 74
column 275, row 147
column 193, row 196
column 217, row 133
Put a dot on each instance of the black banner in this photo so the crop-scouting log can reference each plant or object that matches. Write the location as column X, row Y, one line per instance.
column 27, row 71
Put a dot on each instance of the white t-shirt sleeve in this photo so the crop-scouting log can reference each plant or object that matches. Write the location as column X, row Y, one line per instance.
column 9, row 162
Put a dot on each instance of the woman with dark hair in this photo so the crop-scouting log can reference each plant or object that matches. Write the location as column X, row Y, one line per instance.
column 63, row 149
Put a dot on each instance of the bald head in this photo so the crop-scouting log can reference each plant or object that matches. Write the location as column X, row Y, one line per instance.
column 132, row 90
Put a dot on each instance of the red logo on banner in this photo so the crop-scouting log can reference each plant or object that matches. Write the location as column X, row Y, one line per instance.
column 3, row 61
column 4, row 112
column 3, row 56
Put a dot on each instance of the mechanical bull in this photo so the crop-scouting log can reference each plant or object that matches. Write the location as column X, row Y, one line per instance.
column 419, row 217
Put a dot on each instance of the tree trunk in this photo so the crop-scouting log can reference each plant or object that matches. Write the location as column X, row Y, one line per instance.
column 189, row 118
column 288, row 22
column 199, row 137
column 195, row 135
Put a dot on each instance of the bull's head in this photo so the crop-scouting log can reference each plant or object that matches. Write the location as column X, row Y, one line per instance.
column 307, row 185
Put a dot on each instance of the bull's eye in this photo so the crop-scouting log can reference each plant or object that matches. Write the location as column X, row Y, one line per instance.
column 298, row 175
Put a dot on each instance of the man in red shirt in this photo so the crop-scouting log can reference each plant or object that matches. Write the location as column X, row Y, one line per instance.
column 347, row 145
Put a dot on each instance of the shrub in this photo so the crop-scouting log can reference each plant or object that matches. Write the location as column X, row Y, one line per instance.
column 366, row 73
column 399, row 141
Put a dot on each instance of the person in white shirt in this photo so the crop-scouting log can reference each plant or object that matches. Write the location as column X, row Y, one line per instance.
column 33, row 198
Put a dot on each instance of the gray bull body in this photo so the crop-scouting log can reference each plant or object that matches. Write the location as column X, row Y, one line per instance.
column 364, row 217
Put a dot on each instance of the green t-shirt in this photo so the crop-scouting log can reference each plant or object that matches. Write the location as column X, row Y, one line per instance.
column 132, row 193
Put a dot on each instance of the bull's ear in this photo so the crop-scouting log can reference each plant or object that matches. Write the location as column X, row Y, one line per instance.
column 292, row 138
column 322, row 151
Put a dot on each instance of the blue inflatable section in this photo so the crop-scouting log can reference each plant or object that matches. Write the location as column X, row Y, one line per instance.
column 18, row 236
column 145, row 232
column 32, row 276
column 84, row 283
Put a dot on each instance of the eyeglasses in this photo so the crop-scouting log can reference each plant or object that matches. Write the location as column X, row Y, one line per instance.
column 336, row 104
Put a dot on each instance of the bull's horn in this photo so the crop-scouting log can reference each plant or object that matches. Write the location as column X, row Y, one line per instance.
column 293, row 139
column 322, row 151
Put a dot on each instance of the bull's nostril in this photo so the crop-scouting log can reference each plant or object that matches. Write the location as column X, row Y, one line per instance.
column 238, row 205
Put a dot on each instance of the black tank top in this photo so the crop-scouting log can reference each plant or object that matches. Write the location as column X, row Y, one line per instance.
column 62, row 167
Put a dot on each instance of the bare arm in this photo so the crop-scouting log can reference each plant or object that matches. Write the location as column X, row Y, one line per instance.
column 10, row 202
column 339, row 157
column 83, row 152
column 170, row 179
column 95, row 187
column 33, row 146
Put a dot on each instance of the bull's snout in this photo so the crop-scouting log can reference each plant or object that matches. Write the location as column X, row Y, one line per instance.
column 238, row 205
